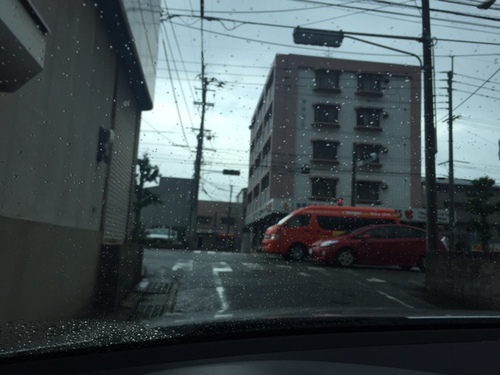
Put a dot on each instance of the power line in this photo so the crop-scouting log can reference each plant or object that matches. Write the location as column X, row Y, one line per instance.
column 316, row 49
column 479, row 88
column 173, row 91
column 183, row 65
column 257, row 11
column 416, row 16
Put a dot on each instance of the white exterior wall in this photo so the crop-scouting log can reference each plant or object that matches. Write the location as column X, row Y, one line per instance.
column 395, row 135
column 265, row 104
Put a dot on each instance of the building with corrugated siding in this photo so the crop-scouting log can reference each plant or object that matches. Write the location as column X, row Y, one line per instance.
column 75, row 77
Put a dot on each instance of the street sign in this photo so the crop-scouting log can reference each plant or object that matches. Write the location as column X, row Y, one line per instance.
column 419, row 215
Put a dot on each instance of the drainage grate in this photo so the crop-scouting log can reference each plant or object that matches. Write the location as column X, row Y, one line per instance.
column 144, row 311
column 156, row 288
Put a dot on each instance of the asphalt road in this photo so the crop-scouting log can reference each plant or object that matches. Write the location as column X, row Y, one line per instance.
column 222, row 284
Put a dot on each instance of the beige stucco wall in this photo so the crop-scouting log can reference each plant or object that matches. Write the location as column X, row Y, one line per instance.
column 49, row 272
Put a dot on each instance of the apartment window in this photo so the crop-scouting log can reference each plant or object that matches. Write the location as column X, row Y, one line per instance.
column 204, row 220
column 259, row 133
column 224, row 220
column 369, row 153
column 325, row 150
column 269, row 116
column 326, row 114
column 269, row 84
column 323, row 188
column 368, row 192
column 256, row 191
column 264, row 183
column 368, row 118
column 249, row 198
column 267, row 148
column 369, row 83
column 327, row 79
column 257, row 160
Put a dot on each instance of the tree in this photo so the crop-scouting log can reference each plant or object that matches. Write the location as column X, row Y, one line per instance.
column 143, row 196
column 479, row 204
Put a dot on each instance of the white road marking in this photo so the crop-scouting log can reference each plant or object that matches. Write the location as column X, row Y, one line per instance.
column 253, row 266
column 183, row 264
column 222, row 316
column 197, row 251
column 318, row 269
column 304, row 274
column 395, row 299
column 221, row 267
column 216, row 269
column 211, row 252
column 375, row 280
column 283, row 266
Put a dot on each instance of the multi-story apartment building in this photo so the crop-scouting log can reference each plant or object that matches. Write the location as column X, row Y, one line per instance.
column 322, row 123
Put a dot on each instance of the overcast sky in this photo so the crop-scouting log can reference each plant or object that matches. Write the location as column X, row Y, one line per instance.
column 243, row 37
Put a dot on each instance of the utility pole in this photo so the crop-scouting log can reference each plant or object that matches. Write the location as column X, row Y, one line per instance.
column 430, row 133
column 193, row 212
column 353, row 176
column 451, row 176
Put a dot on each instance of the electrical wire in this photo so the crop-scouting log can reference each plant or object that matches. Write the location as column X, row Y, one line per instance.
column 173, row 92
column 479, row 88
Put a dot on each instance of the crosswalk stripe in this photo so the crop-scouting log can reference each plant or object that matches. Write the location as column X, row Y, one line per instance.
column 183, row 264
column 221, row 267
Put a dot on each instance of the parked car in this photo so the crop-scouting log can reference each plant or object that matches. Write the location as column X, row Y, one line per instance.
column 378, row 245
column 160, row 237
column 295, row 233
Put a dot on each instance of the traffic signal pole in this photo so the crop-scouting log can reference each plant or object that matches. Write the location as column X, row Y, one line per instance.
column 429, row 132
column 334, row 39
column 451, row 174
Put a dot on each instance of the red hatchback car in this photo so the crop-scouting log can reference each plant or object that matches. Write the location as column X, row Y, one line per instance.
column 377, row 245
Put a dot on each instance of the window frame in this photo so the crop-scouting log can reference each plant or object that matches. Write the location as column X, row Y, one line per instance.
column 317, row 107
column 204, row 220
column 369, row 84
column 370, row 112
column 323, row 197
column 360, row 186
column 224, row 220
column 264, row 182
column 378, row 149
column 316, row 158
column 322, row 80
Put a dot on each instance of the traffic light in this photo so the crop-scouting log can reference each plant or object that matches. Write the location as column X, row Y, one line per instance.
column 340, row 201
column 231, row 172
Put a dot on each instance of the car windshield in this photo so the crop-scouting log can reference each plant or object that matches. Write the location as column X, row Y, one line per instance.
column 147, row 146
